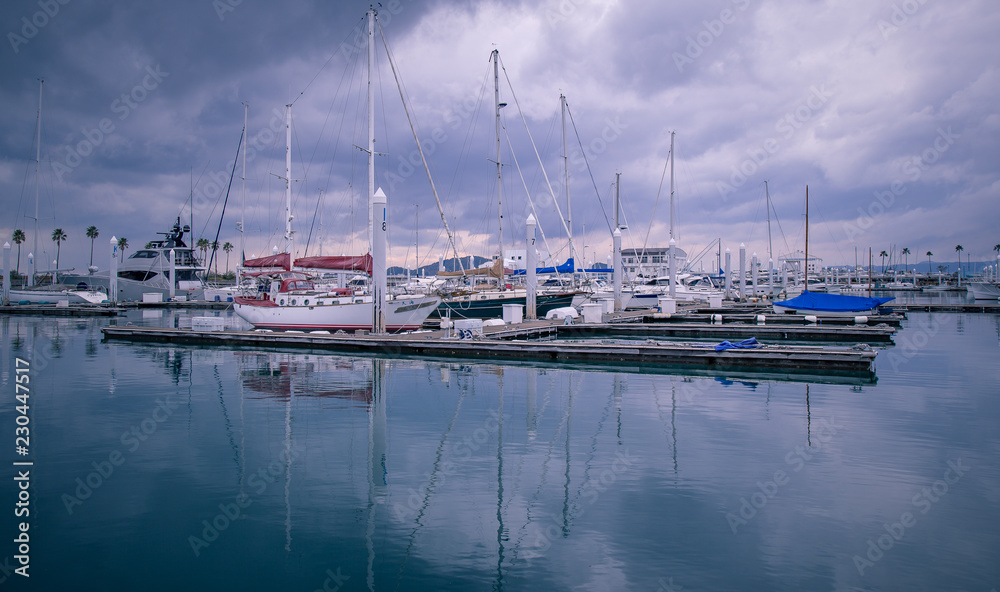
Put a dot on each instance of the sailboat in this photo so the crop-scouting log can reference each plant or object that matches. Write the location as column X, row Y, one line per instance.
column 489, row 303
column 289, row 300
column 821, row 304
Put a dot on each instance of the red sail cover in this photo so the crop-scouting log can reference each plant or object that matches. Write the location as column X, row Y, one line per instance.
column 282, row 260
column 362, row 263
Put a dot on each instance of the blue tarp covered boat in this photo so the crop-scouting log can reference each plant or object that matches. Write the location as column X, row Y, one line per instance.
column 817, row 303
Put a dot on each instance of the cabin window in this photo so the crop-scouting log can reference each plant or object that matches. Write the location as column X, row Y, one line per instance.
column 293, row 302
column 307, row 301
column 282, row 301
column 144, row 255
column 137, row 275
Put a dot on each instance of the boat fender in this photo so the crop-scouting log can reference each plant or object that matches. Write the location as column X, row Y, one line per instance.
column 811, row 319
column 761, row 319
column 861, row 320
column 717, row 318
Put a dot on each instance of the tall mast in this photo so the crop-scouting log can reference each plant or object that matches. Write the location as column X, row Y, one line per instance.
column 767, row 204
column 246, row 109
column 569, row 209
column 618, row 181
column 38, row 158
column 496, row 98
column 288, row 178
column 805, row 273
column 371, row 123
column 672, row 188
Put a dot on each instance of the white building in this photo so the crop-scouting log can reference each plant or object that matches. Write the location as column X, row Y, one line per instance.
column 651, row 262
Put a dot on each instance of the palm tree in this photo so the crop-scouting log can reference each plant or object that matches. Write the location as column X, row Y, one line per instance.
column 215, row 251
column 18, row 239
column 202, row 245
column 123, row 244
column 959, row 249
column 149, row 245
column 92, row 233
column 906, row 258
column 228, row 248
column 997, row 249
column 883, row 255
column 58, row 236
column 929, row 254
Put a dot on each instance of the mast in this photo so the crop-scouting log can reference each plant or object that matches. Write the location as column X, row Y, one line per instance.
column 672, row 188
column 569, row 209
column 371, row 124
column 288, row 178
column 499, row 105
column 38, row 158
column 246, row 109
column 805, row 273
column 767, row 205
column 618, row 181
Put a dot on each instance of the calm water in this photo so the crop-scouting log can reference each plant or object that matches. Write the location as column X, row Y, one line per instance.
column 173, row 468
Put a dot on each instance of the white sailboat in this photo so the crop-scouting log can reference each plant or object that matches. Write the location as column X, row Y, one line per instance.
column 291, row 301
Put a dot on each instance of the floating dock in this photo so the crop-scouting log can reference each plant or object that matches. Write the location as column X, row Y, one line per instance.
column 855, row 362
column 880, row 334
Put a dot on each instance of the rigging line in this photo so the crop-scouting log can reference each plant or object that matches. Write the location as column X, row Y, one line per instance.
column 327, row 62
column 409, row 118
column 659, row 190
column 780, row 229
column 538, row 157
column 589, row 172
column 221, row 216
column 531, row 202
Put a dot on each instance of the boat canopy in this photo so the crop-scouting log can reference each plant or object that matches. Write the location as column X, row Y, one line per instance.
column 352, row 263
column 821, row 302
column 496, row 270
column 282, row 260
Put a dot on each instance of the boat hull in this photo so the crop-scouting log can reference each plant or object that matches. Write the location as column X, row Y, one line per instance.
column 830, row 305
column 405, row 314
column 491, row 306
column 984, row 290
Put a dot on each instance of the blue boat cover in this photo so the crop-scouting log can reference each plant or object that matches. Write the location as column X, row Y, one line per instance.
column 564, row 268
column 745, row 344
column 820, row 302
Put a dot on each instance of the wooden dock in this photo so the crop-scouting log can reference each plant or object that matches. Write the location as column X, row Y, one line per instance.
column 855, row 362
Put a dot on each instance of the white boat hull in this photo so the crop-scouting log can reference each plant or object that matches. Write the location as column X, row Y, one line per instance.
column 984, row 290
column 320, row 313
column 54, row 296
column 780, row 309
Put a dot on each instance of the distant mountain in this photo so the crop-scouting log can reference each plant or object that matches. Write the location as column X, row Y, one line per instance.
column 432, row 269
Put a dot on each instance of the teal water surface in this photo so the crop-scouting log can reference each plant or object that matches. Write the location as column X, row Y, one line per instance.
column 160, row 467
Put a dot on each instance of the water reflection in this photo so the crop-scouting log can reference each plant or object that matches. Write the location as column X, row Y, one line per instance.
column 410, row 474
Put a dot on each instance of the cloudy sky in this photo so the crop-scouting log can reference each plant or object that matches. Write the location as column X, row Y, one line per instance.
column 886, row 110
